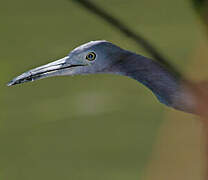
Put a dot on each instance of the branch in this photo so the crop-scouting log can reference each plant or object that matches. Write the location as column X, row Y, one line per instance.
column 91, row 7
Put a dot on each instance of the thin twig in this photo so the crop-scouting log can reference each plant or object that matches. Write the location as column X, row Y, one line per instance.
column 140, row 40
column 200, row 94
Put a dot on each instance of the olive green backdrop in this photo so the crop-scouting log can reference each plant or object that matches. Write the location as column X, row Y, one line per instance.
column 97, row 127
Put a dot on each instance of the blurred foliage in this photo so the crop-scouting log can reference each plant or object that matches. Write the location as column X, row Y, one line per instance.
column 199, row 4
column 86, row 127
column 201, row 7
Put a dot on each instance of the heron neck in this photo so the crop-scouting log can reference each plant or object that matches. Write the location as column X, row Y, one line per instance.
column 166, row 87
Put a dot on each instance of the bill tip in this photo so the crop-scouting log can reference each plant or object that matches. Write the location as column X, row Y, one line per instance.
column 10, row 83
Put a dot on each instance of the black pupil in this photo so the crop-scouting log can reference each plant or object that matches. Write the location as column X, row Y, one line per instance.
column 90, row 56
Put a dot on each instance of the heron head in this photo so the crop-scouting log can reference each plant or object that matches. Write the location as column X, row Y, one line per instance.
column 90, row 58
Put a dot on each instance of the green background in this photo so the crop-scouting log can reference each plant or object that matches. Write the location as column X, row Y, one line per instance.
column 97, row 127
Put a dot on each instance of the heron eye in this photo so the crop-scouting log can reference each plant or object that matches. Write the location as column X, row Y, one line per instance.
column 91, row 56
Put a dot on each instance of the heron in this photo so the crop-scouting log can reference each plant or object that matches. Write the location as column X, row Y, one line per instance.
column 101, row 56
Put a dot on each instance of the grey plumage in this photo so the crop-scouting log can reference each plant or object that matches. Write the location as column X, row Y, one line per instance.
column 105, row 57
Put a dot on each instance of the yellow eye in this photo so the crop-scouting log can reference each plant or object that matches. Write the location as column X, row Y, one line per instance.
column 91, row 56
